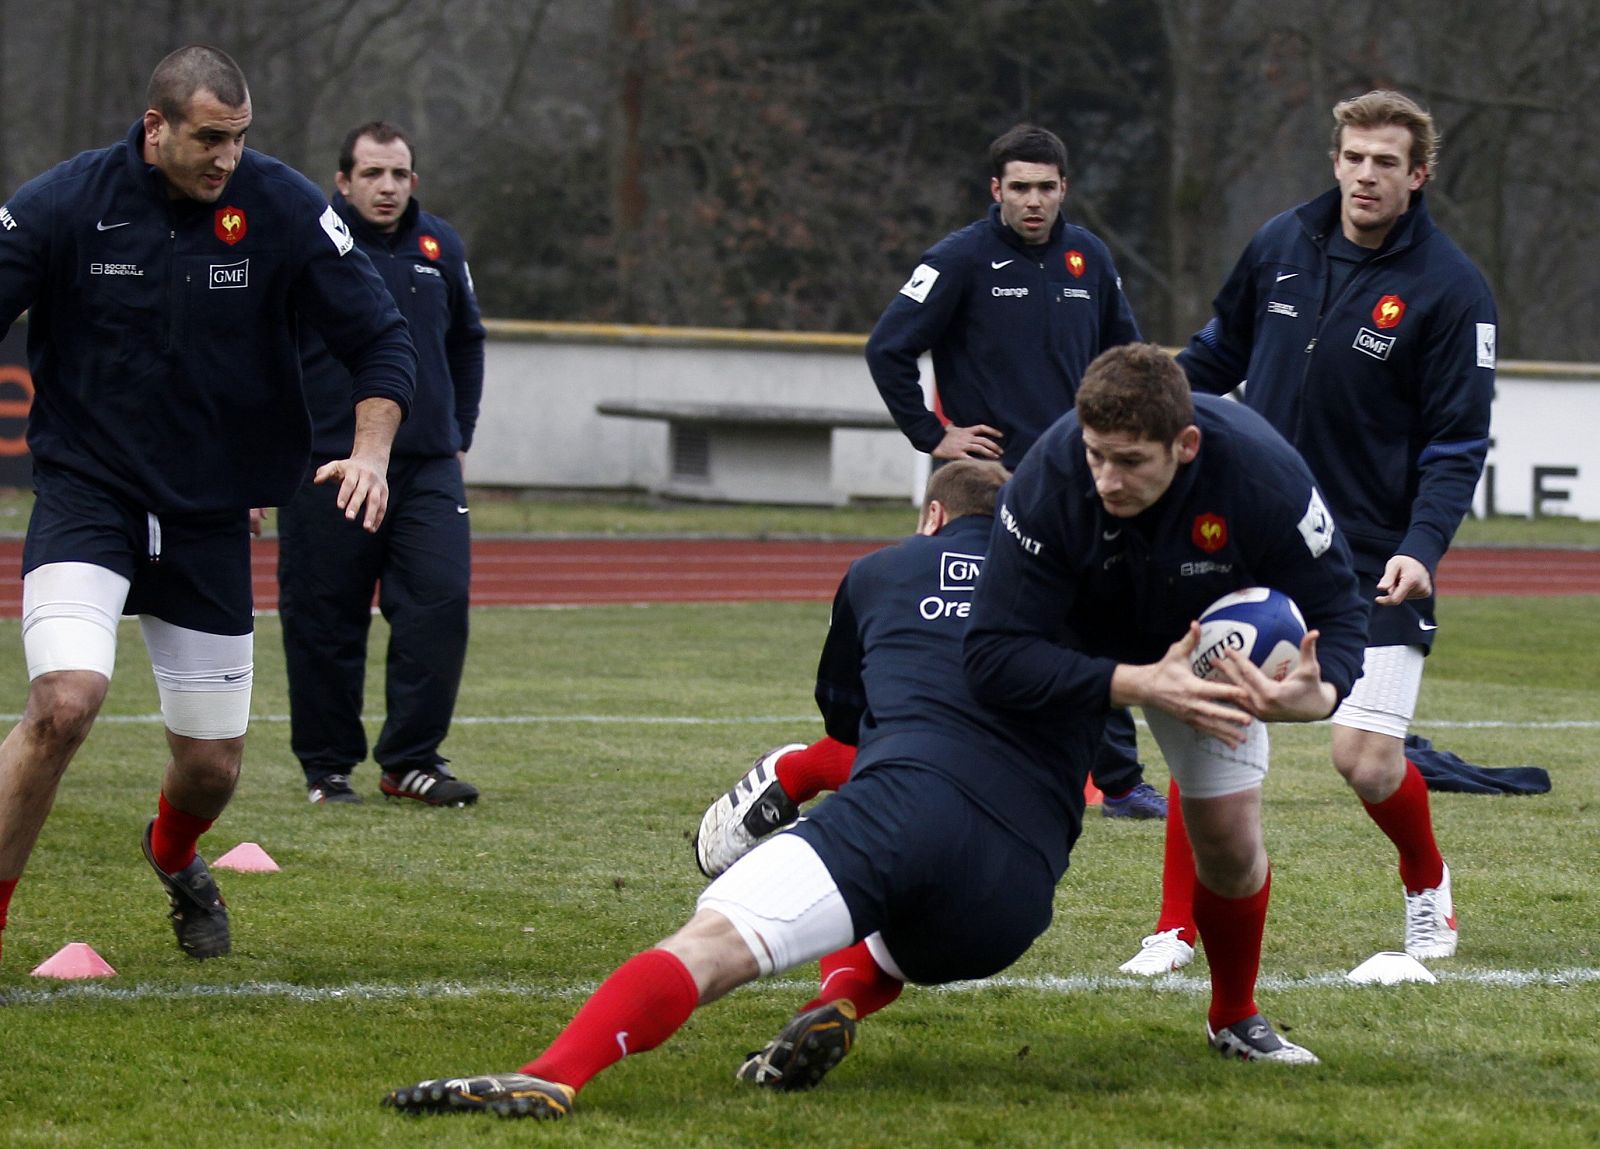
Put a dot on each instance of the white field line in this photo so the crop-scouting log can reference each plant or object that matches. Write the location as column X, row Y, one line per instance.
column 777, row 719
column 447, row 990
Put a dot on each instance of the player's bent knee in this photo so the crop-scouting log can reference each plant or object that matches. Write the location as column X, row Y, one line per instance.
column 62, row 705
column 716, row 954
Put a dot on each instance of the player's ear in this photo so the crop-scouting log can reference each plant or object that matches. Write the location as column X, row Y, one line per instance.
column 933, row 518
column 994, row 188
column 1187, row 445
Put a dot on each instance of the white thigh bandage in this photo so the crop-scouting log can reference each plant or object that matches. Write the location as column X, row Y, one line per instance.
column 204, row 679
column 1204, row 766
column 1384, row 698
column 784, row 903
column 69, row 618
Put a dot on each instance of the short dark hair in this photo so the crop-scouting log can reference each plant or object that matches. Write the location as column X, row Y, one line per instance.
column 966, row 487
column 192, row 69
column 1030, row 145
column 1136, row 389
column 1382, row 108
column 380, row 132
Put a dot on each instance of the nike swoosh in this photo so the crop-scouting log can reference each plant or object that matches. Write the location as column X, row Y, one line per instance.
column 1109, row 535
column 462, row 510
column 1286, row 275
column 234, row 677
column 1002, row 263
column 1428, row 626
column 102, row 225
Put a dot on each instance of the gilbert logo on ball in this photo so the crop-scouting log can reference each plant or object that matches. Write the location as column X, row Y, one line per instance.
column 1258, row 623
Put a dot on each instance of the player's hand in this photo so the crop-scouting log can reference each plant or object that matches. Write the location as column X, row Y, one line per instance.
column 1403, row 577
column 258, row 516
column 363, row 488
column 1302, row 696
column 1211, row 707
column 977, row 442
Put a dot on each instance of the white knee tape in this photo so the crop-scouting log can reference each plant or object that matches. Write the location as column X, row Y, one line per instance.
column 1384, row 698
column 204, row 679
column 784, row 903
column 69, row 618
column 210, row 714
column 1206, row 767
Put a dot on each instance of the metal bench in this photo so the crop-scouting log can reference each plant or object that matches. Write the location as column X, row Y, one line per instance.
column 749, row 452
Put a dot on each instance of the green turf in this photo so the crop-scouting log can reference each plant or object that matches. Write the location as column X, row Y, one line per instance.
column 400, row 942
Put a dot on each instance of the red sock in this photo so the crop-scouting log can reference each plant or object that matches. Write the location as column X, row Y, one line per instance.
column 1177, row 873
column 1404, row 816
column 1231, row 929
column 638, row 1007
column 851, row 974
column 173, row 835
column 824, row 765
column 7, row 888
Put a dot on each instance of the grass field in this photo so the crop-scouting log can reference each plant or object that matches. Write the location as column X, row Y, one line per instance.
column 400, row 942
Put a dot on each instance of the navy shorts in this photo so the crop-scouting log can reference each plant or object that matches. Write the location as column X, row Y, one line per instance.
column 189, row 570
column 1409, row 623
column 954, row 893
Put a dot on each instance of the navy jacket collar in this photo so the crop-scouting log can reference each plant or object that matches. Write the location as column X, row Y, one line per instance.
column 369, row 234
column 1320, row 216
column 1010, row 238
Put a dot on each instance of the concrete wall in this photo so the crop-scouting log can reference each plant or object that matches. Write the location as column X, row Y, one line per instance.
column 539, row 427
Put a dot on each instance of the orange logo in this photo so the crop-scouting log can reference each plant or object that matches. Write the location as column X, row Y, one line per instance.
column 230, row 225
column 1075, row 263
column 1389, row 311
column 16, row 387
column 429, row 246
column 1210, row 532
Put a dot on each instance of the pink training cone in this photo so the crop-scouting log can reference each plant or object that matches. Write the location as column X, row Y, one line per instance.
column 74, row 960
column 247, row 858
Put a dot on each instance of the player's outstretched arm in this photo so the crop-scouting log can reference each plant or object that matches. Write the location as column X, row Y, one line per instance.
column 364, row 477
column 1302, row 696
column 1172, row 685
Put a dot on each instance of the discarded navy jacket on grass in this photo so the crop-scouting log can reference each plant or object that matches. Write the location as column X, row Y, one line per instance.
column 1444, row 770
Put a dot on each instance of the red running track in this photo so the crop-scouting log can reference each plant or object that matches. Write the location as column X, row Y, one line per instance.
column 590, row 572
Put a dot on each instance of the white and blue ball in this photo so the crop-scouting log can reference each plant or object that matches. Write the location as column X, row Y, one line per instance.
column 1258, row 623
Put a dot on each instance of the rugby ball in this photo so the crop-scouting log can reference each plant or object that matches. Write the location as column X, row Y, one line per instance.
column 1262, row 624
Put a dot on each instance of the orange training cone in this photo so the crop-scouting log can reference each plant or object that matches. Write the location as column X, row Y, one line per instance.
column 74, row 960
column 1091, row 793
column 247, row 858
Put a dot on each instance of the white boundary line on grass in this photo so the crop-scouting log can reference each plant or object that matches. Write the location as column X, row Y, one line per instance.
column 775, row 720
column 446, row 990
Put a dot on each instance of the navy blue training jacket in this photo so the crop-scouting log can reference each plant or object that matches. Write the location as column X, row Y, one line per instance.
column 1385, row 390
column 161, row 332
column 424, row 265
column 1069, row 591
column 890, row 682
column 1011, row 327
